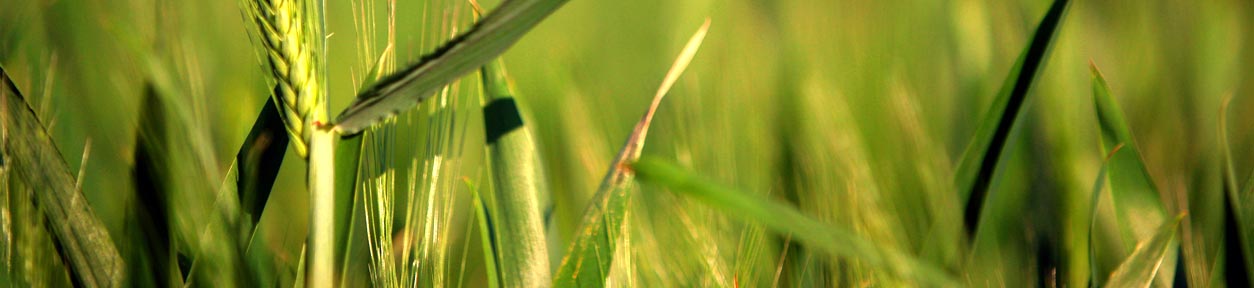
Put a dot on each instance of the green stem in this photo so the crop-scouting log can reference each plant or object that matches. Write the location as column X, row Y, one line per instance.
column 517, row 194
column 322, row 207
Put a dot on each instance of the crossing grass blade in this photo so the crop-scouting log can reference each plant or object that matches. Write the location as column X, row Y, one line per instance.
column 979, row 160
column 1099, row 185
column 82, row 238
column 1135, row 204
column 404, row 89
column 1150, row 258
column 787, row 220
column 518, row 189
column 590, row 255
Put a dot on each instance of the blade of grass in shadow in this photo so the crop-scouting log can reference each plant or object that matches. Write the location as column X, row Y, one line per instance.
column 86, row 244
column 1140, row 268
column 150, row 253
column 517, row 193
column 979, row 160
column 1134, row 198
column 404, row 89
column 259, row 158
column 590, row 255
column 253, row 174
column 1237, row 246
column 787, row 220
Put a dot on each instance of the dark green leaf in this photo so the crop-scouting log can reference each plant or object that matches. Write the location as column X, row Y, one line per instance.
column 979, row 160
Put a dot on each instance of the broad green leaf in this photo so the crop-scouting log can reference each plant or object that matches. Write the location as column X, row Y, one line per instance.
column 347, row 163
column 1135, row 204
column 979, row 160
column 518, row 190
column 589, row 257
column 787, row 220
column 1151, row 257
column 404, row 89
column 82, row 238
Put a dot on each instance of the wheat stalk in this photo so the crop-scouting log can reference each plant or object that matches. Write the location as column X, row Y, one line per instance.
column 289, row 32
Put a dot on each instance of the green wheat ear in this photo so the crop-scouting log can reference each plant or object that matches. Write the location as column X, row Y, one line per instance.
column 287, row 30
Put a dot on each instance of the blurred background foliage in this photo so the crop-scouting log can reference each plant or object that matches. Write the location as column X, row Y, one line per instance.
column 853, row 111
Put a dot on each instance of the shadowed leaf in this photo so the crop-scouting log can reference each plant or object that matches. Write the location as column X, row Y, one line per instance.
column 1237, row 233
column 259, row 158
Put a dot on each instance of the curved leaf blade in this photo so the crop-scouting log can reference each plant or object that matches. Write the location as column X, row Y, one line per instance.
column 787, row 220
column 85, row 242
column 1137, row 209
column 590, row 255
column 979, row 160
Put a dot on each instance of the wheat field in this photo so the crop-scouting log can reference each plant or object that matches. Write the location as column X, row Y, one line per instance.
column 595, row 143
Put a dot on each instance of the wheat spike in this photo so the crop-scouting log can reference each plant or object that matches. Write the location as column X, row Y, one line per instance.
column 290, row 34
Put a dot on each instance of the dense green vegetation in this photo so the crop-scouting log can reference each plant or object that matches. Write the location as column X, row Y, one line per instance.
column 525, row 143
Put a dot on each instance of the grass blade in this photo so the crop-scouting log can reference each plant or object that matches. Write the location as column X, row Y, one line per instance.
column 488, row 237
column 206, row 225
column 1237, row 245
column 149, row 261
column 1098, row 186
column 517, row 193
column 1135, row 200
column 786, row 220
column 87, row 246
column 589, row 257
column 1150, row 257
column 404, row 89
column 979, row 160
